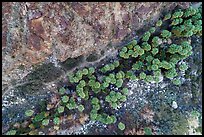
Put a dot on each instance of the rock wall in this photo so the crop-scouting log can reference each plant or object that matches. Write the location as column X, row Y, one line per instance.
column 34, row 31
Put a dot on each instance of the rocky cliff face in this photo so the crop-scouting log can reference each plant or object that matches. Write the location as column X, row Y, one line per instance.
column 34, row 32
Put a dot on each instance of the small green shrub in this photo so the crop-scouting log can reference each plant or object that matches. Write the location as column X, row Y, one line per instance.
column 167, row 16
column 176, row 81
column 152, row 29
column 156, row 61
column 149, row 58
column 119, row 83
column 11, row 132
column 155, row 67
column 149, row 78
column 146, row 46
column 125, row 91
column 123, row 98
column 155, row 41
column 171, row 73
column 45, row 122
column 29, row 113
column 85, row 71
column 183, row 67
column 159, row 23
column 56, row 120
column 146, row 36
column 166, row 65
column 62, row 90
column 96, row 106
column 91, row 70
column 148, row 131
column 142, row 75
column 93, row 116
column 39, row 117
column 165, row 34
column 80, row 108
column 65, row 99
column 116, row 63
column 137, row 66
column 94, row 100
column 60, row 109
column 121, row 126
column 155, row 51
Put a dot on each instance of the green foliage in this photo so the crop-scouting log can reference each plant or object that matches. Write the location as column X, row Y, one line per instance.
column 91, row 70
column 71, row 77
column 56, row 120
column 171, row 73
column 154, row 67
column 94, row 100
column 121, row 126
column 60, row 109
column 82, row 83
column 189, row 12
column 93, row 116
column 11, row 132
column 165, row 34
column 183, row 67
column 176, row 21
column 72, row 104
column 149, row 78
column 176, row 81
column 137, row 66
column 159, row 23
column 167, row 16
column 39, row 117
column 152, row 29
column 146, row 36
column 114, row 119
column 149, row 58
column 45, row 122
column 155, row 41
column 116, row 63
column 146, row 46
column 108, row 99
column 177, row 14
column 105, row 85
column 111, row 66
column 166, row 65
column 62, row 90
column 96, row 106
column 133, row 77
column 155, row 51
column 173, row 48
column 65, row 99
column 129, row 74
column 29, row 113
column 140, row 51
column 125, row 91
column 85, row 71
column 81, row 108
column 97, row 85
column 156, row 61
column 79, row 75
column 142, row 75
column 157, row 73
column 119, row 83
column 122, row 98
column 124, row 49
column 148, row 131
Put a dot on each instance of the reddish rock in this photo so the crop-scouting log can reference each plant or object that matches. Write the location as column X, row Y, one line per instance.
column 34, row 41
column 80, row 8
